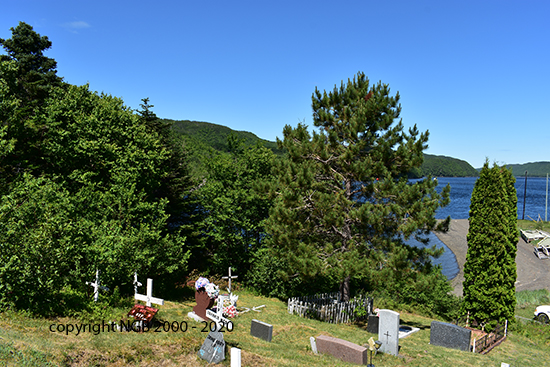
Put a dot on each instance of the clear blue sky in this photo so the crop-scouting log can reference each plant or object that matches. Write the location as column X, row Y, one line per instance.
column 473, row 73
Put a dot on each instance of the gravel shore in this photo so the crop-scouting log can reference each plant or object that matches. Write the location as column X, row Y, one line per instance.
column 532, row 272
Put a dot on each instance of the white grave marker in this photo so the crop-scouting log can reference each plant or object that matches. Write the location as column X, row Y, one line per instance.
column 136, row 283
column 229, row 277
column 148, row 298
column 388, row 331
column 96, row 286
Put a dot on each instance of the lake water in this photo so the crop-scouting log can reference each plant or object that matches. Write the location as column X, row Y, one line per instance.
column 461, row 192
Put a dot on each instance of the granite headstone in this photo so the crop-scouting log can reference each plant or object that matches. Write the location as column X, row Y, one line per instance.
column 450, row 336
column 261, row 330
column 388, row 331
column 203, row 302
column 213, row 348
column 372, row 324
column 342, row 349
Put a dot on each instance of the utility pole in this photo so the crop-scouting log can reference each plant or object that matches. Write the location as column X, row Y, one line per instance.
column 524, row 194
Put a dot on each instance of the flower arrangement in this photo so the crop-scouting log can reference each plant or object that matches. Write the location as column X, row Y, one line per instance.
column 211, row 289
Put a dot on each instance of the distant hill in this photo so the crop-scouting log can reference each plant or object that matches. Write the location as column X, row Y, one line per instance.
column 216, row 136
column 204, row 136
column 443, row 166
column 534, row 169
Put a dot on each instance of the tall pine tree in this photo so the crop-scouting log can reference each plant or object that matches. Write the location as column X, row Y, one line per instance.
column 343, row 201
column 490, row 269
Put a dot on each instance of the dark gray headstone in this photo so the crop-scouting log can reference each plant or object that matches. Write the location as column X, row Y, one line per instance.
column 342, row 349
column 261, row 330
column 213, row 348
column 450, row 336
column 372, row 324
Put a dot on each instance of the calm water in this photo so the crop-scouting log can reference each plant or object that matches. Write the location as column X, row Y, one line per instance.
column 461, row 192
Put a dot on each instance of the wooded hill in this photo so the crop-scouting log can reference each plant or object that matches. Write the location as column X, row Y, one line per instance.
column 534, row 169
column 202, row 136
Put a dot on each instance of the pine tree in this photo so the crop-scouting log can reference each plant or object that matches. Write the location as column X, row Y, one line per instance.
column 490, row 269
column 343, row 199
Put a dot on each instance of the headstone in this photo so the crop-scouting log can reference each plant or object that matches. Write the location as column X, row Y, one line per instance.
column 97, row 286
column 229, row 277
column 148, row 298
column 342, row 349
column 261, row 330
column 203, row 302
column 235, row 357
column 313, row 344
column 213, row 348
column 372, row 324
column 388, row 331
column 450, row 336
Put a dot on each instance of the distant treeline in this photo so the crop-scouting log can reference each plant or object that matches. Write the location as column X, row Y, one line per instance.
column 534, row 169
column 202, row 136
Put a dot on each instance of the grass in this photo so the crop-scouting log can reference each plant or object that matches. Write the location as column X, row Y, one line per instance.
column 532, row 224
column 28, row 341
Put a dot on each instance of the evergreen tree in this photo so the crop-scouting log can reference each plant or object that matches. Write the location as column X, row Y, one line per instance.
column 343, row 201
column 490, row 269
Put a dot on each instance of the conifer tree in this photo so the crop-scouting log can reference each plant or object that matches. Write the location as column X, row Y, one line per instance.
column 490, row 269
column 343, row 199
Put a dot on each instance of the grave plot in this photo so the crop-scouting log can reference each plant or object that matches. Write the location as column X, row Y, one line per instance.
column 328, row 307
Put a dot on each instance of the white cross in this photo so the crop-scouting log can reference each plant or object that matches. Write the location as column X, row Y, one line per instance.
column 96, row 286
column 136, row 283
column 148, row 298
column 229, row 279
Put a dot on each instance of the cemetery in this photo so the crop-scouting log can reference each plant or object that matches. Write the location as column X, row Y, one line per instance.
column 265, row 331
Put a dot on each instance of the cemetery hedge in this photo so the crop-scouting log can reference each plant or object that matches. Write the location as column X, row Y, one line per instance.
column 87, row 183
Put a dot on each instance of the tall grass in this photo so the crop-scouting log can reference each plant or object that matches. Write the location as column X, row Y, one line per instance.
column 529, row 298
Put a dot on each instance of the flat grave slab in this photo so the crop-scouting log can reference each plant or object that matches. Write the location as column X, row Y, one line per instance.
column 342, row 349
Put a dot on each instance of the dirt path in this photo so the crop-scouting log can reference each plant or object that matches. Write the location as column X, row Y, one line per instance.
column 532, row 272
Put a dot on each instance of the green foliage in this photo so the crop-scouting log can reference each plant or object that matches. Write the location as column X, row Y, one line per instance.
column 534, row 169
column 342, row 197
column 442, row 166
column 490, row 269
column 232, row 210
column 96, row 198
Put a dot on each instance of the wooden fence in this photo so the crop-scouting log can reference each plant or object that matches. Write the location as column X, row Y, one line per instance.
column 328, row 307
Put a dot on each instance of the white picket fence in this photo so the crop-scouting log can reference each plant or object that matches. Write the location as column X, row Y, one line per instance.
column 328, row 307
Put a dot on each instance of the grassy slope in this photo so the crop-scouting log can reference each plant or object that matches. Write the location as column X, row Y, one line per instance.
column 28, row 341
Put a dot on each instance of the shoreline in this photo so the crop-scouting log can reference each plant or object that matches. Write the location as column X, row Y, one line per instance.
column 532, row 273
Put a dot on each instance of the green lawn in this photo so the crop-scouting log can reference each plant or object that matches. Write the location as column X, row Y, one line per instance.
column 27, row 341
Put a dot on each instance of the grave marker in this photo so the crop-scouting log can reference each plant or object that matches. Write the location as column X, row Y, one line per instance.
column 261, row 330
column 213, row 348
column 342, row 349
column 450, row 336
column 136, row 283
column 229, row 277
column 148, row 298
column 96, row 286
column 388, row 331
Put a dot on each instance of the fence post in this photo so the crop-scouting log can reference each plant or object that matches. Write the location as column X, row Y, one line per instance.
column 474, row 346
column 505, row 328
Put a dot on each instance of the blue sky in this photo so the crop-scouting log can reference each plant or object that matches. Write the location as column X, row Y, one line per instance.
column 473, row 73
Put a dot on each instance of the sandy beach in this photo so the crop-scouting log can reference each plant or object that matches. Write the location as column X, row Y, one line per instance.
column 532, row 272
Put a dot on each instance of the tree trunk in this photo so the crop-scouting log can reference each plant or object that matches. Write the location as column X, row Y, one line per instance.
column 344, row 289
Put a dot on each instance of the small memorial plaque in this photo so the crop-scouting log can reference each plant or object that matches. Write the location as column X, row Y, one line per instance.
column 213, row 348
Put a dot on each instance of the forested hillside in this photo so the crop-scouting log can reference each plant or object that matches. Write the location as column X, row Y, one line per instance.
column 202, row 136
column 534, row 169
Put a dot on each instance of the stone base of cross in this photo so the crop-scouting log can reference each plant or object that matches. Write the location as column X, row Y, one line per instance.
column 148, row 298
